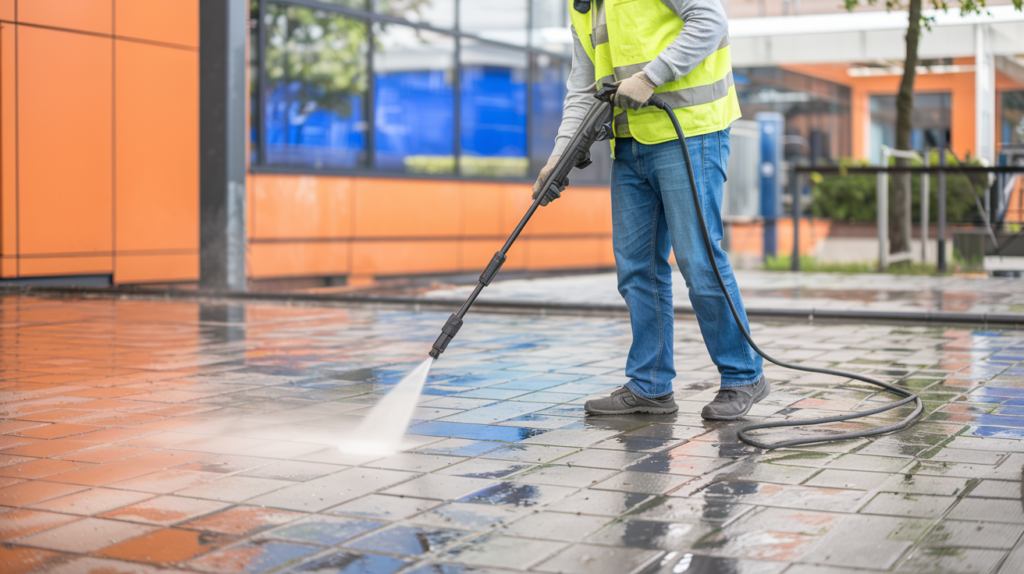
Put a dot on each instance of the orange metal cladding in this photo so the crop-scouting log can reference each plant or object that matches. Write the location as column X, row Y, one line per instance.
column 84, row 15
column 157, row 168
column 8, row 146
column 64, row 152
column 75, row 103
column 403, row 226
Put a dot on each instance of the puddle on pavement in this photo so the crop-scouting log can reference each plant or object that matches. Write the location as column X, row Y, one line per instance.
column 506, row 494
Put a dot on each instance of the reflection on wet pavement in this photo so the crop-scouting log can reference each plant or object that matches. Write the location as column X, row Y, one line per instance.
column 142, row 435
column 773, row 290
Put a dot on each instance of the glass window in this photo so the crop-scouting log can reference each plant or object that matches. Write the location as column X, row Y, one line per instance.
column 504, row 21
column 493, row 114
column 436, row 13
column 316, row 65
column 817, row 111
column 551, row 27
column 931, row 123
column 414, row 115
column 1011, row 124
column 549, row 77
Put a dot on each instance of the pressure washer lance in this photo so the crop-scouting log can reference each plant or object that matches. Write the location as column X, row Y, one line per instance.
column 596, row 126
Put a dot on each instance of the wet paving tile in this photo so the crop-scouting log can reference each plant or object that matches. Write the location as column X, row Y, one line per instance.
column 351, row 563
column 324, row 530
column 594, row 559
column 165, row 510
column 408, row 540
column 470, row 516
column 384, row 507
column 19, row 560
column 167, row 546
column 561, row 527
column 85, row 536
column 136, row 450
column 504, row 551
column 16, row 522
column 256, row 556
column 243, row 520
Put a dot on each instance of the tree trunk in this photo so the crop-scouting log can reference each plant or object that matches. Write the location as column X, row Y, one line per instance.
column 899, row 212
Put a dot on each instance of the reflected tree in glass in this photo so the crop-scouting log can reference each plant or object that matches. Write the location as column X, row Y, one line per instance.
column 316, row 64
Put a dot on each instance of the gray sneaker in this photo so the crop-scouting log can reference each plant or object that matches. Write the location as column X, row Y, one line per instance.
column 731, row 404
column 623, row 401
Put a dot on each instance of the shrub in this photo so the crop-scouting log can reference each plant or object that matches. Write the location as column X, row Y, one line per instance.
column 851, row 197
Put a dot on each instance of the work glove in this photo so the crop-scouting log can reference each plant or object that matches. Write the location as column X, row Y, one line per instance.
column 634, row 92
column 553, row 191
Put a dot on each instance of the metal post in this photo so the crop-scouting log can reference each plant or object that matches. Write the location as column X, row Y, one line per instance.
column 222, row 98
column 941, row 198
column 882, row 218
column 925, row 217
column 795, row 183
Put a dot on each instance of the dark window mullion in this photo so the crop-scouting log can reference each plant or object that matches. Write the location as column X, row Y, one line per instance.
column 369, row 102
column 530, row 70
column 261, row 84
column 457, row 94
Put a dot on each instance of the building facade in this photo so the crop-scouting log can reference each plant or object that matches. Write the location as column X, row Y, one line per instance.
column 400, row 137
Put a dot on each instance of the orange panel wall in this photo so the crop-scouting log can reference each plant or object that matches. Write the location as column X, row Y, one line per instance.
column 64, row 145
column 298, row 226
column 8, row 155
column 99, row 139
column 84, row 15
column 157, row 169
column 169, row 21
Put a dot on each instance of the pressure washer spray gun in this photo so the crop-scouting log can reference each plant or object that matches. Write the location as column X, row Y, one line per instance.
column 596, row 126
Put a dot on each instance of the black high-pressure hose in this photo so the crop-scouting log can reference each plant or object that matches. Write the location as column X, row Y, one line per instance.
column 743, row 432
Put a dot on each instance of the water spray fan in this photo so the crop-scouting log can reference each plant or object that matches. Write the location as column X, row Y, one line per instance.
column 596, row 126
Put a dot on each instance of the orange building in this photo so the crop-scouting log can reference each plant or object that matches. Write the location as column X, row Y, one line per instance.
column 389, row 142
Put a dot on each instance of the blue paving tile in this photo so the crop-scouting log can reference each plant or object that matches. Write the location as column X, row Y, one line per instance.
column 256, row 556
column 470, row 448
column 351, row 563
column 326, row 531
column 997, row 420
column 477, row 432
column 998, row 392
column 506, row 494
column 408, row 540
column 996, row 432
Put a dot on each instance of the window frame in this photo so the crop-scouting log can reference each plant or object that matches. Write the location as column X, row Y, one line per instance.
column 259, row 163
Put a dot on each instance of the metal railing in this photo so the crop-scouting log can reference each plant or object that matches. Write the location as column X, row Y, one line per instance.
column 1001, row 178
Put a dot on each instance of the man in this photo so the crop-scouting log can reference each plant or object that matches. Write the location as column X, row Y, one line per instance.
column 679, row 50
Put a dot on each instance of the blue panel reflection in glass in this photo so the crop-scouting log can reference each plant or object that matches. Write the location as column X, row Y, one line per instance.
column 414, row 117
column 493, row 122
column 299, row 132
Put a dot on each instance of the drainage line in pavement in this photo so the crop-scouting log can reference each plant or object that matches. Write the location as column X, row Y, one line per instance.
column 1007, row 320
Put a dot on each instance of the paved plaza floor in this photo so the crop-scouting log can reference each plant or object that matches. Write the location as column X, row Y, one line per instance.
column 143, row 436
column 783, row 290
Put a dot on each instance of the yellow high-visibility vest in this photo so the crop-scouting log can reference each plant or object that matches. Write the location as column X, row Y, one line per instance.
column 623, row 36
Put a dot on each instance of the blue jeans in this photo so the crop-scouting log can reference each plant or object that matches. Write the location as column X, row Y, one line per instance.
column 652, row 215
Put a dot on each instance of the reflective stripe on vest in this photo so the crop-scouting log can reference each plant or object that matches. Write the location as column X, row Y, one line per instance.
column 622, row 37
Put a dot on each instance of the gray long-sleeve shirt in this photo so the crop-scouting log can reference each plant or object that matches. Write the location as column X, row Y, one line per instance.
column 706, row 25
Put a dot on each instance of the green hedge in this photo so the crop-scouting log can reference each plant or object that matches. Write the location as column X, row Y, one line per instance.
column 851, row 197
